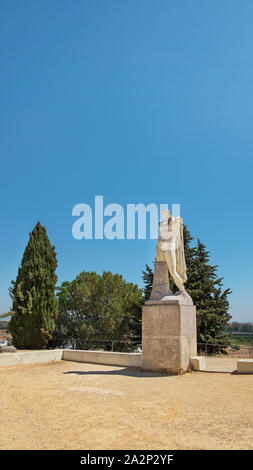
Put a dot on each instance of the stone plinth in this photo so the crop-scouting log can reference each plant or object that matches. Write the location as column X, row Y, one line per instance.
column 168, row 336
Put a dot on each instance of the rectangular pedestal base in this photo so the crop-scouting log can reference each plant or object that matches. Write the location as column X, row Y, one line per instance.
column 168, row 337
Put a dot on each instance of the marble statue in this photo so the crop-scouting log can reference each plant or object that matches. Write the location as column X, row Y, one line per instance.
column 170, row 258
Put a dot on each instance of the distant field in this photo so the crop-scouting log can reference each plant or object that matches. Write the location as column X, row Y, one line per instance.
column 243, row 340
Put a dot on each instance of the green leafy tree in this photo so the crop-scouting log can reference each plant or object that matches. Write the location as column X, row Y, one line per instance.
column 34, row 309
column 94, row 308
column 206, row 290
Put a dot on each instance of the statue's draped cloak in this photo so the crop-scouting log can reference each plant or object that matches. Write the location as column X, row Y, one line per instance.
column 181, row 265
column 177, row 245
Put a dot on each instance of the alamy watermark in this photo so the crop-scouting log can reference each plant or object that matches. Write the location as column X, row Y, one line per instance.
column 113, row 221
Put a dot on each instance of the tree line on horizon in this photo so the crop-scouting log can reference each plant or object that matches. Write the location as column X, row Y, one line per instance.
column 240, row 327
column 97, row 308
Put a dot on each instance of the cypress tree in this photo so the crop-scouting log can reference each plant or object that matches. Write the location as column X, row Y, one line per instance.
column 34, row 309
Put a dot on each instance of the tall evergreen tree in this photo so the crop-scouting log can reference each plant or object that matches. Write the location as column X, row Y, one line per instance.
column 205, row 288
column 147, row 277
column 34, row 309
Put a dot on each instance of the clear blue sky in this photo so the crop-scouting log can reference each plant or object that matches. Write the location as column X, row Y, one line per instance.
column 138, row 101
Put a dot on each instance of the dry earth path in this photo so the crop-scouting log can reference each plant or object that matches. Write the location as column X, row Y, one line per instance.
column 69, row 405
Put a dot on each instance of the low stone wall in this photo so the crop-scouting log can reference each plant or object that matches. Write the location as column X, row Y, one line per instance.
column 30, row 357
column 103, row 357
column 47, row 355
column 245, row 366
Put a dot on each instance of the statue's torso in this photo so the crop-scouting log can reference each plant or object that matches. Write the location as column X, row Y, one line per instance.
column 168, row 236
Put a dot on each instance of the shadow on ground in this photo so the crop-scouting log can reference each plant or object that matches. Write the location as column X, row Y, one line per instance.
column 128, row 371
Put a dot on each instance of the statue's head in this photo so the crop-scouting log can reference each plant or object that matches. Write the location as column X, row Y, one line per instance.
column 165, row 214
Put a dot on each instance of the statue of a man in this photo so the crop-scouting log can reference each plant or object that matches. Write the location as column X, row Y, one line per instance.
column 170, row 258
column 170, row 247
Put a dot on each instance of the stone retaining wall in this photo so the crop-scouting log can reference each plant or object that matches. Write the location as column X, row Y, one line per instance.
column 103, row 357
column 30, row 357
column 47, row 355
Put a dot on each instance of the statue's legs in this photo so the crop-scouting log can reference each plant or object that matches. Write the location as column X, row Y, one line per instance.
column 172, row 265
column 161, row 285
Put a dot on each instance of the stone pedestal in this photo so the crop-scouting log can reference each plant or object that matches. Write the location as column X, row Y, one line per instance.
column 168, row 336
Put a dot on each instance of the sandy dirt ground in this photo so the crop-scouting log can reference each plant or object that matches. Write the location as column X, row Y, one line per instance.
column 69, row 405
